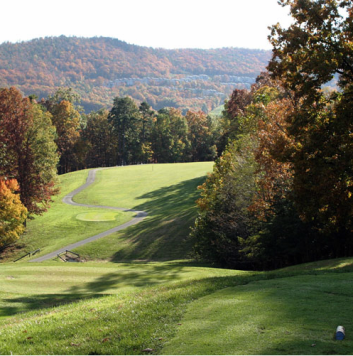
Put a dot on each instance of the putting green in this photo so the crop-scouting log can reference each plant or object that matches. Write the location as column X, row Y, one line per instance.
column 98, row 216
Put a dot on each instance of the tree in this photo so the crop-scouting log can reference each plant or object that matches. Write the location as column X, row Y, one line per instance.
column 202, row 145
column 68, row 122
column 247, row 217
column 61, row 94
column 275, row 177
column 29, row 149
column 179, row 130
column 37, row 171
column 13, row 127
column 126, row 123
column 145, row 136
column 169, row 137
column 236, row 108
column 314, row 48
column 224, row 219
column 97, row 136
column 282, row 239
column 12, row 212
column 161, row 137
column 305, row 57
column 146, row 118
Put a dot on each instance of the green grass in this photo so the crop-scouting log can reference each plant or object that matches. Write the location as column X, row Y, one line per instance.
column 30, row 286
column 97, row 215
column 296, row 315
column 139, row 187
column 61, row 224
column 174, row 307
column 195, row 311
column 105, row 308
column 166, row 191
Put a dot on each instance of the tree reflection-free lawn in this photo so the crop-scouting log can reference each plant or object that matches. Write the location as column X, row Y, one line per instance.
column 296, row 315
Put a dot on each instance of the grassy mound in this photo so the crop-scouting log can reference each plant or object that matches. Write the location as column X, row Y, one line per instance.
column 297, row 315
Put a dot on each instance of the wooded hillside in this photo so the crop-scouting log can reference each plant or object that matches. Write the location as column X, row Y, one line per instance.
column 100, row 69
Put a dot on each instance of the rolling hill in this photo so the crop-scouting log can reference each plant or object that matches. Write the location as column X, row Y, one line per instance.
column 101, row 68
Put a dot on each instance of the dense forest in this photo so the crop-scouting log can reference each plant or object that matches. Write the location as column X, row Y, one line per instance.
column 282, row 191
column 99, row 69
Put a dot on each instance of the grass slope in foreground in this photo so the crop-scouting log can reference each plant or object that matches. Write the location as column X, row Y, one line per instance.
column 296, row 316
column 196, row 311
column 167, row 192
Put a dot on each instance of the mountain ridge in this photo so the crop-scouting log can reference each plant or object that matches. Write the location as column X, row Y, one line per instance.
column 88, row 65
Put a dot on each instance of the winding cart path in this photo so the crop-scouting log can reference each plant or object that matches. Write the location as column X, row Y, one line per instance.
column 140, row 215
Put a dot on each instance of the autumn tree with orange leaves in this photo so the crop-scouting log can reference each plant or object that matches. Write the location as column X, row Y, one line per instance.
column 302, row 202
column 247, row 218
column 28, row 152
column 12, row 212
column 67, row 119
column 306, row 56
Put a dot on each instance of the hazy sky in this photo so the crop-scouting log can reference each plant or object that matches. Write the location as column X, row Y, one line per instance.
column 152, row 23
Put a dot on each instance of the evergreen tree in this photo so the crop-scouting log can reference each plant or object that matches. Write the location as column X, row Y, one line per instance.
column 126, row 122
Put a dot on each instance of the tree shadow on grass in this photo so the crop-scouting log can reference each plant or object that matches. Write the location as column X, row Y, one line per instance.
column 164, row 234
column 128, row 278
column 40, row 301
column 114, row 281
column 284, row 310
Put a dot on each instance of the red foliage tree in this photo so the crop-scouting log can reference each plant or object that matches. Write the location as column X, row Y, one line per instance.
column 28, row 149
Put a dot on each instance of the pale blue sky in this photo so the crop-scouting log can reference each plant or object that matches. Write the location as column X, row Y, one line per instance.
column 152, row 23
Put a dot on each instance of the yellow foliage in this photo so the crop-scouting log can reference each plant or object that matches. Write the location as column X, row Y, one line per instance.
column 12, row 212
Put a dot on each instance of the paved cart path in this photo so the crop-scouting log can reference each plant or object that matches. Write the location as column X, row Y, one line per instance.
column 140, row 215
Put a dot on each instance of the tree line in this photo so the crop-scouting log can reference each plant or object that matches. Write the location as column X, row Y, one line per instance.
column 40, row 139
column 282, row 191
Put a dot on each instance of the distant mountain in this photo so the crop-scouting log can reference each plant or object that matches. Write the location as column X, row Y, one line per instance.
column 101, row 68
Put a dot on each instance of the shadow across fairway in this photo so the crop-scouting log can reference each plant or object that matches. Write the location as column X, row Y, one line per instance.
column 129, row 277
column 114, row 281
column 276, row 301
column 40, row 301
column 165, row 201
column 164, row 234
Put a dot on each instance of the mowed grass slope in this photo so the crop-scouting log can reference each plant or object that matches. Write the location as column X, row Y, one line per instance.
column 31, row 286
column 172, row 308
column 291, row 316
column 97, row 308
column 167, row 192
